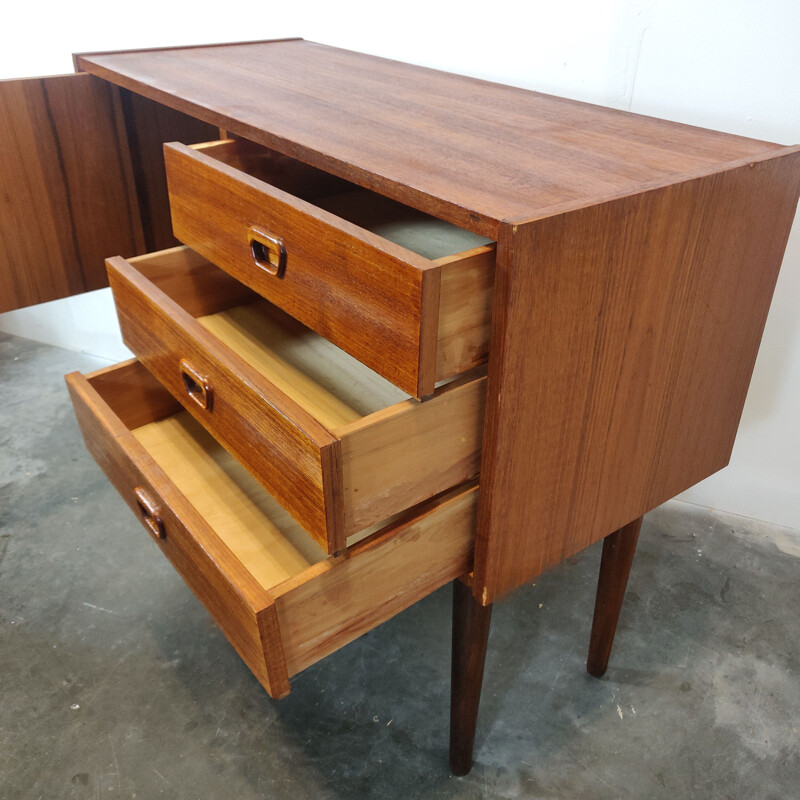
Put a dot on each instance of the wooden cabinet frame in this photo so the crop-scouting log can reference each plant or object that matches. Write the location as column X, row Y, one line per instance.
column 636, row 260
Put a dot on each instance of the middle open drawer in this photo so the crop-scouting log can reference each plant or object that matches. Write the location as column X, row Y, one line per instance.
column 337, row 445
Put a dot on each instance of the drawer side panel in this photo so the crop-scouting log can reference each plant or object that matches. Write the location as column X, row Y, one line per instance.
column 380, row 577
column 400, row 457
column 465, row 312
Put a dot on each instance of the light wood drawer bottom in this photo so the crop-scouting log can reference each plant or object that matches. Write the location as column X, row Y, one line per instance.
column 280, row 600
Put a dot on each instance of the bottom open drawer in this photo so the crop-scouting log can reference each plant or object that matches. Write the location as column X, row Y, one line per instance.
column 281, row 601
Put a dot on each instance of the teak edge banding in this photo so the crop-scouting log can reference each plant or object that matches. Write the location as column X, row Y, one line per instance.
column 77, row 57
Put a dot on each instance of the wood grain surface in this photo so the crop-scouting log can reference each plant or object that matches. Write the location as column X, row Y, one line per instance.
column 277, row 438
column 471, row 623
column 239, row 604
column 134, row 393
column 340, row 447
column 263, row 536
column 149, row 125
column 339, row 599
column 242, row 555
column 277, row 169
column 68, row 197
column 374, row 299
column 332, row 386
column 196, row 285
column 466, row 290
column 615, row 567
column 468, row 151
column 625, row 337
column 401, row 455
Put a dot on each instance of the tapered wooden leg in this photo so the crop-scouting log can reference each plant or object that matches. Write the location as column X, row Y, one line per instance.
column 615, row 566
column 470, row 635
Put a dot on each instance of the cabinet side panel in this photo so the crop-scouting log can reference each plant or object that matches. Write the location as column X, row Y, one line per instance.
column 68, row 198
column 625, row 339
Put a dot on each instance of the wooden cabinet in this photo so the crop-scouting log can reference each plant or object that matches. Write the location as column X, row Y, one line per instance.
column 83, row 178
column 392, row 282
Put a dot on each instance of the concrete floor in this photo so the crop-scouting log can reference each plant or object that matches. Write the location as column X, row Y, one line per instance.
column 114, row 682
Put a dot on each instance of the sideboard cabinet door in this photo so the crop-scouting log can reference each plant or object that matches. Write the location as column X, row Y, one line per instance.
column 81, row 179
column 67, row 191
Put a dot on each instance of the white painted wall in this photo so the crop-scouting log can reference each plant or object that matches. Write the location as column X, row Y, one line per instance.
column 733, row 65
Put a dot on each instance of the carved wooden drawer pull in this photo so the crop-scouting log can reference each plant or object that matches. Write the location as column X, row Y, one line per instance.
column 151, row 513
column 268, row 251
column 198, row 387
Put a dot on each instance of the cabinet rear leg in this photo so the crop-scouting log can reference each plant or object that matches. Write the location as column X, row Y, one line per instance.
column 470, row 636
column 615, row 566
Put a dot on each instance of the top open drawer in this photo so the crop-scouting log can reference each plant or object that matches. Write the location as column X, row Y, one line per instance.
column 404, row 293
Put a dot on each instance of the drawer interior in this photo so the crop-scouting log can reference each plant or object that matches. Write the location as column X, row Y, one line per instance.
column 256, row 529
column 335, row 388
column 331, row 385
column 395, row 451
column 421, row 233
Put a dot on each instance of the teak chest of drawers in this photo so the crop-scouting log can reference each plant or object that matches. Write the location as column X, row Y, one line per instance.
column 413, row 327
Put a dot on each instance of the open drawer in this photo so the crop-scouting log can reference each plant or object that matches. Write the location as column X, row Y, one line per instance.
column 335, row 443
column 405, row 293
column 280, row 601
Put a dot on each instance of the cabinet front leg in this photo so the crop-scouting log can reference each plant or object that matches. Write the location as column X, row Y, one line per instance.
column 470, row 636
column 615, row 566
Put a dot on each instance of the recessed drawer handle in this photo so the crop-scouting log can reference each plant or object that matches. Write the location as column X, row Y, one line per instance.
column 198, row 387
column 151, row 513
column 268, row 251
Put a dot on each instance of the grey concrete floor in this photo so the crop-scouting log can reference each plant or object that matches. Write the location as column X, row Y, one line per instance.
column 114, row 682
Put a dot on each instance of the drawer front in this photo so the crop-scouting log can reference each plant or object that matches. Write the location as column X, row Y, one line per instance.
column 278, row 628
column 284, row 447
column 374, row 299
column 241, row 607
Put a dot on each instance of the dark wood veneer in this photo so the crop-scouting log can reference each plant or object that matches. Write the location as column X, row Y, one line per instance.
column 67, row 195
column 615, row 567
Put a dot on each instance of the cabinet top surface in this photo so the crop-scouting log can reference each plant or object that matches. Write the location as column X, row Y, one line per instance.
column 472, row 152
